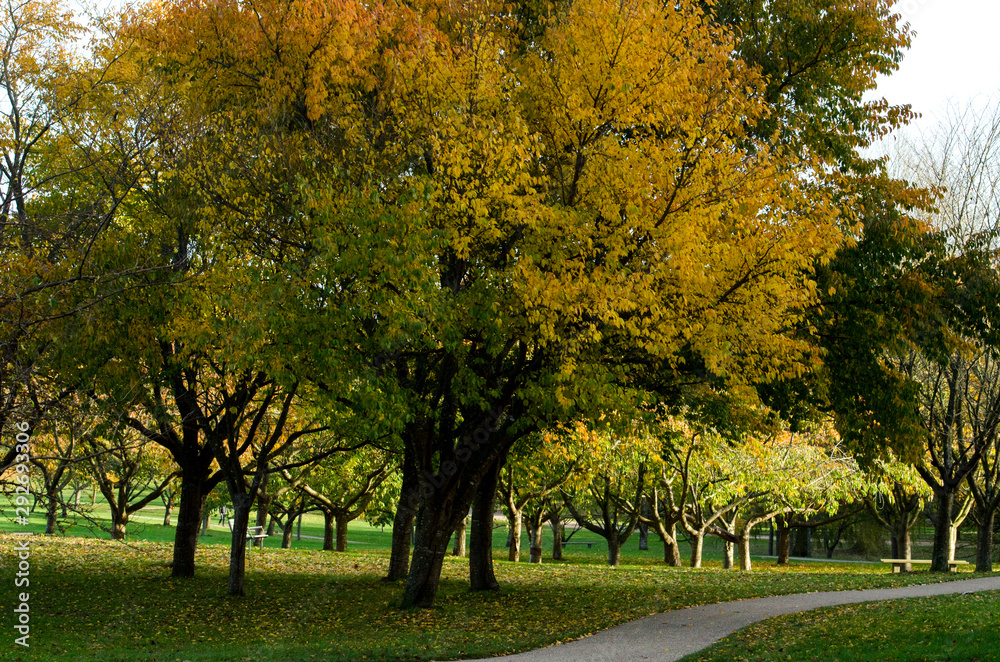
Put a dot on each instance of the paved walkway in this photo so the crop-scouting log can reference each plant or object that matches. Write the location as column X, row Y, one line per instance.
column 674, row 634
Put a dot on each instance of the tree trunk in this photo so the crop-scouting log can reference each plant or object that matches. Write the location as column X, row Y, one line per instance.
column 941, row 553
column 902, row 543
column 167, row 508
column 402, row 530
column 263, row 502
column 697, row 545
column 643, row 536
column 831, row 548
column 434, row 529
column 342, row 522
column 745, row 551
column 286, row 531
column 784, row 533
column 557, row 536
column 188, row 522
column 238, row 548
column 671, row 550
column 119, row 524
column 535, row 554
column 51, row 515
column 800, row 545
column 614, row 548
column 514, row 553
column 481, row 576
column 727, row 555
column 459, row 548
column 984, row 542
column 328, row 527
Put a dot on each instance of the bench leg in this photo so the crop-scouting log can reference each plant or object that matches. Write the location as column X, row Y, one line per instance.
column 897, row 568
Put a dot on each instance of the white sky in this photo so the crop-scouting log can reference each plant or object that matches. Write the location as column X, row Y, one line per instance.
column 955, row 56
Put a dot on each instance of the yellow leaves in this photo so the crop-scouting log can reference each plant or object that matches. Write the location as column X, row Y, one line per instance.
column 699, row 224
column 591, row 187
column 278, row 52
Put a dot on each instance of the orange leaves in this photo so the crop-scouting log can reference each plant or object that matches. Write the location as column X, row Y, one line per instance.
column 269, row 55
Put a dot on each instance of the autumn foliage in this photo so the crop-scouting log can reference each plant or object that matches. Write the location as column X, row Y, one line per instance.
column 449, row 227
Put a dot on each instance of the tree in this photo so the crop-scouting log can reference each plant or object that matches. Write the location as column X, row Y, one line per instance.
column 79, row 483
column 741, row 485
column 167, row 497
column 804, row 524
column 959, row 392
column 286, row 505
column 129, row 470
column 342, row 487
column 481, row 574
column 557, row 522
column 897, row 505
column 889, row 286
column 984, row 488
column 818, row 59
column 154, row 384
column 961, row 418
column 607, row 500
column 76, row 165
column 458, row 549
column 716, row 487
column 534, row 471
column 55, row 456
column 65, row 168
column 35, row 63
column 484, row 262
column 666, row 499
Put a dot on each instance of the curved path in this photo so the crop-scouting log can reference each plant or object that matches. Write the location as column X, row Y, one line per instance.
column 674, row 634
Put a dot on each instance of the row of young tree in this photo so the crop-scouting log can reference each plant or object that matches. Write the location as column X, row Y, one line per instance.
column 669, row 478
column 273, row 237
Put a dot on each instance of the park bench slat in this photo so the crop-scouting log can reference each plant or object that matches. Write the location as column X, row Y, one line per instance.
column 897, row 564
column 255, row 534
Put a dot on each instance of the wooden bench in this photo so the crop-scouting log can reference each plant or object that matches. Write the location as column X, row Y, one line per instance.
column 255, row 534
column 898, row 564
column 577, row 542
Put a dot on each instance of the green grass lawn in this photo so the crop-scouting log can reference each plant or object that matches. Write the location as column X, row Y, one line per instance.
column 96, row 599
column 101, row 600
column 952, row 627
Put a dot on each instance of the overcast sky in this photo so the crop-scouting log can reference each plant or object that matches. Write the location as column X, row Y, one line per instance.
column 955, row 56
